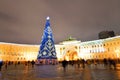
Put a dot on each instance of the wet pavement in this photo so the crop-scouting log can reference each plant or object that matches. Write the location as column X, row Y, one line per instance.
column 56, row 72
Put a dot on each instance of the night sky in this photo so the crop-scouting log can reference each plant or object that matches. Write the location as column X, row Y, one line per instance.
column 22, row 21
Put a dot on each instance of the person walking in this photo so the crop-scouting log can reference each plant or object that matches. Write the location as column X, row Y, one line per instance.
column 32, row 62
column 1, row 63
column 64, row 64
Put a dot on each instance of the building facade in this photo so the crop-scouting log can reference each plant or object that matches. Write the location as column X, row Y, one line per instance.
column 69, row 50
column 18, row 52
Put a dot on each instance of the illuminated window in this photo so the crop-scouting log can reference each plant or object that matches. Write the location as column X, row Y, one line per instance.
column 97, row 45
column 68, row 51
column 92, row 46
column 90, row 51
column 117, row 42
column 114, row 43
column 108, row 49
column 96, row 56
column 103, row 44
column 110, row 43
column 75, row 47
column 99, row 56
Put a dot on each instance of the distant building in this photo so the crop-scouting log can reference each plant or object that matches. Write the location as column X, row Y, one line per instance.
column 18, row 52
column 106, row 34
column 96, row 49
column 69, row 50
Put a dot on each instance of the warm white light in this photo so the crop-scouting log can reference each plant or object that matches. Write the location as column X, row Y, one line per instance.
column 48, row 18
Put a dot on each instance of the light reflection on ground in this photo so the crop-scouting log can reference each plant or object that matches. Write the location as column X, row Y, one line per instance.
column 55, row 72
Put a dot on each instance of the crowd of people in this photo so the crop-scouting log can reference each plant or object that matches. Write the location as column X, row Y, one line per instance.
column 6, row 64
column 80, row 63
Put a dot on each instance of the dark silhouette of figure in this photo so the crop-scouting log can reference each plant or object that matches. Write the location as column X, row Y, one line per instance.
column 114, row 64
column 1, row 63
column 6, row 65
column 32, row 62
column 78, row 63
column 105, row 62
column 83, row 63
column 64, row 64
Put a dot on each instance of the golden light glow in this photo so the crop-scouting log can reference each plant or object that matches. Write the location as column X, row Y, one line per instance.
column 69, row 50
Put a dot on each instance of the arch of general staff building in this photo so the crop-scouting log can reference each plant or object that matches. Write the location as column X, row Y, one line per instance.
column 69, row 50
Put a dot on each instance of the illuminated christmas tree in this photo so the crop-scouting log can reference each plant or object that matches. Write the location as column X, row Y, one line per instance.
column 47, row 52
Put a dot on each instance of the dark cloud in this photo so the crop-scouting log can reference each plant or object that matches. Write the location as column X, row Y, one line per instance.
column 22, row 21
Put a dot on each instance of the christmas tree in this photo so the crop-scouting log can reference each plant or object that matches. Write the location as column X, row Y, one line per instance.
column 47, row 52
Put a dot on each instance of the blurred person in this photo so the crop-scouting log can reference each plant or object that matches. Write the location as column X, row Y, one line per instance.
column 64, row 64
column 1, row 64
column 32, row 62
